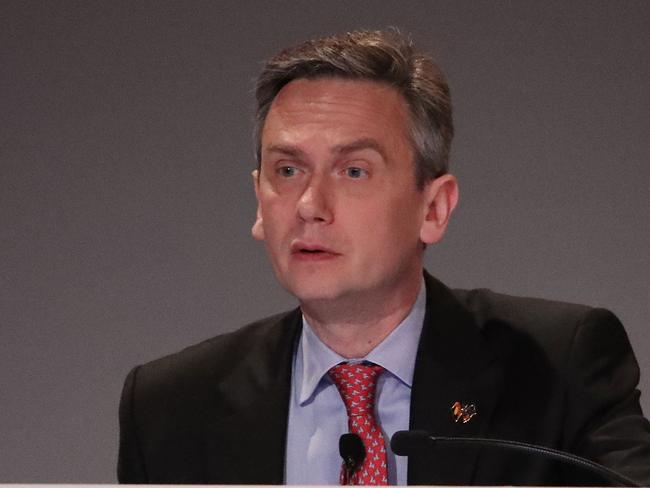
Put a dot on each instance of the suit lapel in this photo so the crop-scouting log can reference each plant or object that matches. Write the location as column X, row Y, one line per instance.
column 454, row 364
column 248, row 446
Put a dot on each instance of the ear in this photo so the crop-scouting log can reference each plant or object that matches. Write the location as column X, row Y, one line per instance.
column 441, row 198
column 258, row 227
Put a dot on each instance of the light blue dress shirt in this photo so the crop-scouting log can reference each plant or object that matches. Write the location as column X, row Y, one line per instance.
column 317, row 416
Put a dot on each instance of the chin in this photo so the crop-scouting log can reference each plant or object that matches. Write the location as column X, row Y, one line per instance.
column 314, row 295
column 313, row 290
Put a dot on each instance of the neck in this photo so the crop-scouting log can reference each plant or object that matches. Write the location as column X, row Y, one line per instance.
column 352, row 327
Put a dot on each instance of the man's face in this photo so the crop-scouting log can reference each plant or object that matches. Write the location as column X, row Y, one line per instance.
column 338, row 206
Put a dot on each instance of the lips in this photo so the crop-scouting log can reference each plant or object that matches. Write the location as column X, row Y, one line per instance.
column 307, row 250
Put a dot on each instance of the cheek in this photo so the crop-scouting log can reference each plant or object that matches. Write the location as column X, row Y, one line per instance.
column 401, row 223
column 372, row 228
column 276, row 218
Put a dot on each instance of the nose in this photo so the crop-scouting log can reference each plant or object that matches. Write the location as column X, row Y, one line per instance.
column 315, row 205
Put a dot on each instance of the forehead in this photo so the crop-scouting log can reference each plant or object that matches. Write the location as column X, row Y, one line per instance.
column 337, row 109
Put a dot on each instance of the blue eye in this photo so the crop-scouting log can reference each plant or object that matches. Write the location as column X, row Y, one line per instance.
column 287, row 171
column 354, row 172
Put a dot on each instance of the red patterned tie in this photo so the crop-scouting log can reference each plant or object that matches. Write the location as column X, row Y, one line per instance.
column 357, row 384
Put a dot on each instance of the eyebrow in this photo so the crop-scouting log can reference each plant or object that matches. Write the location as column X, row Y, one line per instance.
column 360, row 144
column 284, row 149
column 356, row 145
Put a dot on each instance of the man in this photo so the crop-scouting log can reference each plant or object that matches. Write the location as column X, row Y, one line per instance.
column 353, row 136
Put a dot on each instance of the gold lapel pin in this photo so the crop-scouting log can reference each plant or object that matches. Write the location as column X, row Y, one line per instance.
column 463, row 412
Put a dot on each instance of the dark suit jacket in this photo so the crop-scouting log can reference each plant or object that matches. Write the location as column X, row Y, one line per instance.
column 542, row 372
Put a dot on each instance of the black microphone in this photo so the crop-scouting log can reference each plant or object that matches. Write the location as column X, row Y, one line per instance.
column 353, row 452
column 407, row 442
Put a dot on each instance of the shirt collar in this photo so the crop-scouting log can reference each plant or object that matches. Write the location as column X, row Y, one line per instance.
column 396, row 353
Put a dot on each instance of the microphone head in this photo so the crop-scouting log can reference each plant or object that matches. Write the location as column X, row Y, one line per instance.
column 352, row 450
column 407, row 442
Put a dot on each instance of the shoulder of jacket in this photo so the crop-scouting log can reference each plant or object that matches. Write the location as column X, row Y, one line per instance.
column 209, row 359
column 487, row 303
column 549, row 323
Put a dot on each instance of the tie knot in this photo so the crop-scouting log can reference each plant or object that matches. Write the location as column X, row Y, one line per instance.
column 357, row 384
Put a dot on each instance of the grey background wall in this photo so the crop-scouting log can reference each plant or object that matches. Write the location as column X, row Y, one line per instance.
column 126, row 201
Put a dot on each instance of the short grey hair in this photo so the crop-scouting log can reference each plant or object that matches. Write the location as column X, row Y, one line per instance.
column 383, row 56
